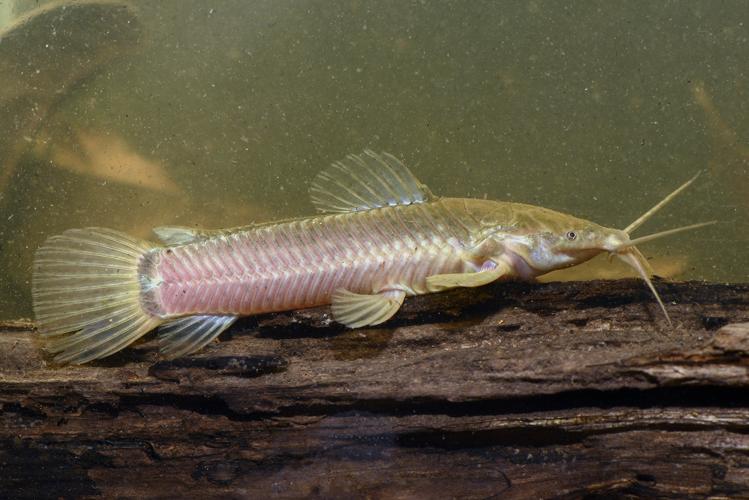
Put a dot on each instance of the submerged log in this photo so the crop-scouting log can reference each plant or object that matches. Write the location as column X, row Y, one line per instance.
column 512, row 390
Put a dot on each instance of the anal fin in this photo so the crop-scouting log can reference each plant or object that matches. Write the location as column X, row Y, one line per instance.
column 191, row 333
column 356, row 310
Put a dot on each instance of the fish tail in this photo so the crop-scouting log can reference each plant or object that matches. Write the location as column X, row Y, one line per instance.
column 87, row 289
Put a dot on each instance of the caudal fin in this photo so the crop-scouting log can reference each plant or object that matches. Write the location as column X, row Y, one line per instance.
column 86, row 289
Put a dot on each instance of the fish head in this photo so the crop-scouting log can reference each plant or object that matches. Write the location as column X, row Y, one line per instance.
column 577, row 241
column 534, row 240
column 547, row 240
column 581, row 245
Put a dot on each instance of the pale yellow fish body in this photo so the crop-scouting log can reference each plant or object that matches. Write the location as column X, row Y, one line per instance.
column 383, row 236
column 303, row 262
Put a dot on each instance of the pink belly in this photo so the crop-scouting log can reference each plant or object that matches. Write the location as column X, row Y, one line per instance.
column 293, row 266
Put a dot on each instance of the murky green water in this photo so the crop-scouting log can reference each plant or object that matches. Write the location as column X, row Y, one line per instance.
column 220, row 113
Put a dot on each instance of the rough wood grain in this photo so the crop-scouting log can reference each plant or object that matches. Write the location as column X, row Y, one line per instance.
column 558, row 390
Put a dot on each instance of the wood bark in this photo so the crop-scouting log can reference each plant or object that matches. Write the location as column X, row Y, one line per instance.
column 559, row 390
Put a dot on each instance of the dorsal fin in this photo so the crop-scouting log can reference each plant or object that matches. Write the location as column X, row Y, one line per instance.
column 364, row 182
column 180, row 235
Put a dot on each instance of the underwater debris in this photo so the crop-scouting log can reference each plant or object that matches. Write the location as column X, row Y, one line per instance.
column 730, row 156
column 44, row 54
column 109, row 157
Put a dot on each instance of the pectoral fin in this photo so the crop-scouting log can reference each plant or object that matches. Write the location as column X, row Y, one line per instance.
column 440, row 282
column 356, row 310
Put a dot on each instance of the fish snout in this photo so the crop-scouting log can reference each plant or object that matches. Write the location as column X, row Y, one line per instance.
column 615, row 242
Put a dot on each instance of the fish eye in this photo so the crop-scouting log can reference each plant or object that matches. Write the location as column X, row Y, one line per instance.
column 571, row 235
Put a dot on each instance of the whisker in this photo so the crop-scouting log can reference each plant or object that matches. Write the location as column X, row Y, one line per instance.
column 630, row 259
column 654, row 236
column 659, row 205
